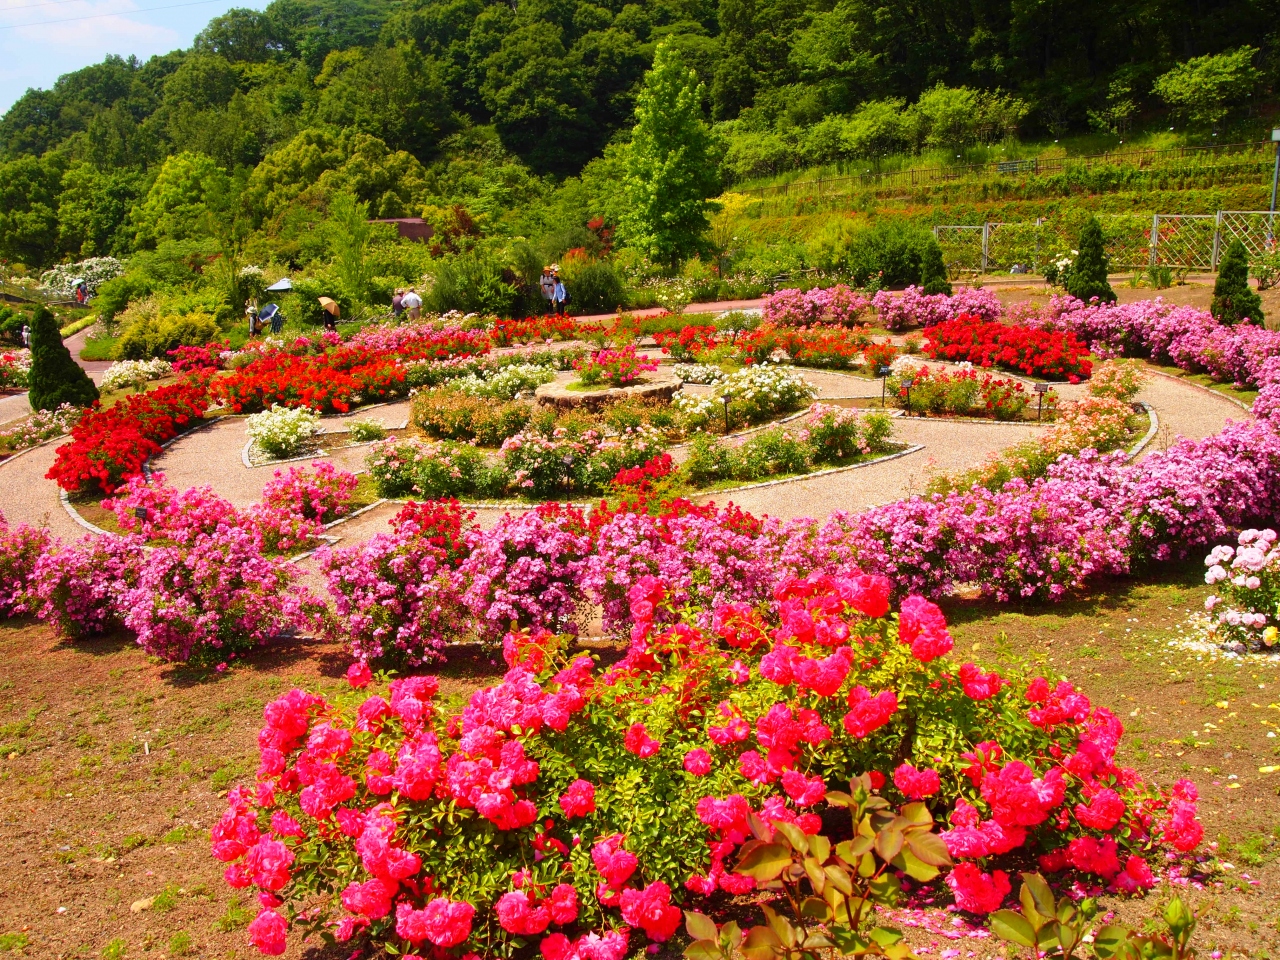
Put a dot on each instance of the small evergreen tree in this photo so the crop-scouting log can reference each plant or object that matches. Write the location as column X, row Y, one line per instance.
column 933, row 272
column 55, row 377
column 1088, row 276
column 1234, row 301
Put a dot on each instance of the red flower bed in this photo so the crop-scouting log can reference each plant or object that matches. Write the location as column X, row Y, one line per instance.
column 1048, row 354
column 109, row 446
column 208, row 357
column 328, row 383
column 811, row 347
column 689, row 342
column 507, row 332
column 640, row 478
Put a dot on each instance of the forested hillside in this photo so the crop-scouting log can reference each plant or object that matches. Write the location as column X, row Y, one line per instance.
column 512, row 120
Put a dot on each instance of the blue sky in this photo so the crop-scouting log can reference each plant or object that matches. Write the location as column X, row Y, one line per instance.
column 35, row 51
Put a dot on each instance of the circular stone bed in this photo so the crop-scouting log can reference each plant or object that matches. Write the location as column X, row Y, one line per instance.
column 560, row 395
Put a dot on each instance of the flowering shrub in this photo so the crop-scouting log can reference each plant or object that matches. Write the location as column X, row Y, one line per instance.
column 393, row 465
column 452, row 415
column 79, row 588
column 837, row 304
column 685, row 345
column 838, row 433
column 20, row 549
column 619, row 367
column 109, row 446
column 327, row 382
column 15, row 368
column 641, row 477
column 94, row 272
column 699, row 373
column 914, row 308
column 42, row 425
column 520, row 819
column 321, row 493
column 384, row 615
column 818, row 347
column 281, row 432
column 879, row 355
column 507, row 382
column 1117, row 379
column 134, row 373
column 542, row 464
column 959, row 393
column 1249, row 574
column 532, row 329
column 525, row 570
column 762, row 392
column 1036, row 353
column 207, row 358
column 696, row 409
column 422, row 341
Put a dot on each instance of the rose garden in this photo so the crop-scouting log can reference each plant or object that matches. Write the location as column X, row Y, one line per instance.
column 882, row 624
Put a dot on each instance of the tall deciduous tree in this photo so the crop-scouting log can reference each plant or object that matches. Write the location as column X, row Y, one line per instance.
column 670, row 170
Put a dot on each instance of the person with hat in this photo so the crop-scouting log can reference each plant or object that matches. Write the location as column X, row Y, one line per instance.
column 548, row 285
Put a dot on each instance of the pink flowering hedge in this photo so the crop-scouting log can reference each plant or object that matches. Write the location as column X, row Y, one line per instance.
column 795, row 308
column 573, row 809
column 915, row 308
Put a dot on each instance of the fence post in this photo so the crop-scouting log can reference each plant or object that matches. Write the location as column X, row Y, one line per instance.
column 986, row 234
column 1217, row 241
column 1155, row 241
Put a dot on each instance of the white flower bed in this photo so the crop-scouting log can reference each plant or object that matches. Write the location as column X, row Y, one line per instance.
column 699, row 373
column 507, row 383
column 766, row 389
column 134, row 373
column 283, row 431
column 94, row 272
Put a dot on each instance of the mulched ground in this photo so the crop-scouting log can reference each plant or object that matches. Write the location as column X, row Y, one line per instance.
column 113, row 767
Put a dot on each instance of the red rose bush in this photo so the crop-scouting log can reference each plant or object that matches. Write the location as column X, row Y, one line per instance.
column 575, row 809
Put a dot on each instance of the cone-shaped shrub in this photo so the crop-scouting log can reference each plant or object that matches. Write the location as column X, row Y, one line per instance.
column 933, row 272
column 55, row 377
column 1088, row 277
column 1234, row 301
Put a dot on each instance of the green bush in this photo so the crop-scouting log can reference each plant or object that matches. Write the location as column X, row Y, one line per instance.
column 148, row 337
column 472, row 283
column 770, row 452
column 933, row 271
column 453, row 415
column 11, row 323
column 709, row 460
column 55, row 377
column 594, row 286
column 1234, row 301
column 887, row 253
column 1088, row 276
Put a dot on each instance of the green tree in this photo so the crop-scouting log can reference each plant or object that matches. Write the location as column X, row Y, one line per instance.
column 933, row 271
column 29, row 190
column 1088, row 276
column 55, row 377
column 1234, row 301
column 670, row 170
column 1205, row 89
column 175, row 206
column 349, row 235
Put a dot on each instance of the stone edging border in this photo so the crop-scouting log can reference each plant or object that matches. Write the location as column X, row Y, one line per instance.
column 1154, row 419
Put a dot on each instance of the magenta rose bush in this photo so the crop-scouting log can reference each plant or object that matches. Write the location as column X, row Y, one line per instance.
column 575, row 810
column 21, row 548
column 915, row 308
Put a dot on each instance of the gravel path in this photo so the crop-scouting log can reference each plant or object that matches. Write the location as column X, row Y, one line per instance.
column 1186, row 410
column 948, row 446
column 14, row 407
column 27, row 497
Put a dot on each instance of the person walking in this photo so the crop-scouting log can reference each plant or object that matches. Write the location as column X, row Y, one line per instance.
column 251, row 313
column 26, row 335
column 561, row 295
column 413, row 303
column 547, row 283
column 397, row 303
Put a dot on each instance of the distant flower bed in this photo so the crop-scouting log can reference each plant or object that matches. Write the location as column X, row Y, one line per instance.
column 619, row 368
column 124, row 374
column 915, row 308
column 793, row 308
column 15, row 368
column 834, row 348
column 960, row 393
column 505, row 333
column 1049, row 355
column 331, row 382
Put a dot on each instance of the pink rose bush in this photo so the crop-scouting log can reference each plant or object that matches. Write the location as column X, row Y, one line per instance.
column 577, row 808
column 1247, row 580
column 915, row 308
column 794, row 308
column 21, row 548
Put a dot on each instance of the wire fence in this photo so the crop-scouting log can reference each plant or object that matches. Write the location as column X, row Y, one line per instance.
column 1134, row 241
column 834, row 186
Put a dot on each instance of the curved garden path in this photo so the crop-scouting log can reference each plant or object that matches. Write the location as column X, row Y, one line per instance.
column 212, row 455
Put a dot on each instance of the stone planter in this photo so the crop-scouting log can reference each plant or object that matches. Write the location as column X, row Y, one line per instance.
column 558, row 394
